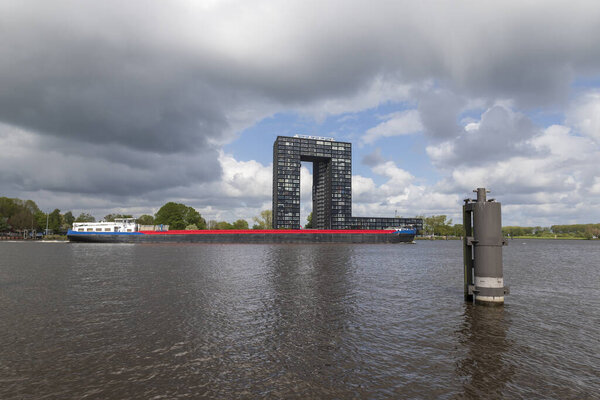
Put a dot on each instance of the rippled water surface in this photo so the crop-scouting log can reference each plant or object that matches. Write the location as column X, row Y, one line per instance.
column 295, row 321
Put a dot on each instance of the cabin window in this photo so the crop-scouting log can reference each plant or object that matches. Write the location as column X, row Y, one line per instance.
column 90, row 229
column 98, row 229
column 80, row 230
column 128, row 230
column 106, row 229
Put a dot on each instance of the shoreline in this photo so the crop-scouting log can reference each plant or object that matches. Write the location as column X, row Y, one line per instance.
column 508, row 239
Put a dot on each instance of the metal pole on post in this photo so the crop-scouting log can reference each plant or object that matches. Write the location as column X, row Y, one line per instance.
column 47, row 214
column 486, row 242
column 468, row 251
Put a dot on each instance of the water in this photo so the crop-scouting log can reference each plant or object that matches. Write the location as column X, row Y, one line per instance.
column 171, row 321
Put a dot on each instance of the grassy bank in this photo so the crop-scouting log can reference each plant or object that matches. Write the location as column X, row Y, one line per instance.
column 55, row 237
column 438, row 238
column 553, row 237
column 549, row 237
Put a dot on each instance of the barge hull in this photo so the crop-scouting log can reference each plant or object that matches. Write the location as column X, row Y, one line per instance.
column 249, row 238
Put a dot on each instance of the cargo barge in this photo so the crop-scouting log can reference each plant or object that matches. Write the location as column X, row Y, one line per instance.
column 126, row 231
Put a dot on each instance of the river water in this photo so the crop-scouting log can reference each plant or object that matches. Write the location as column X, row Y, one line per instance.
column 165, row 321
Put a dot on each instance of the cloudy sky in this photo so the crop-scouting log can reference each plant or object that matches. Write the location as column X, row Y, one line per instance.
column 112, row 106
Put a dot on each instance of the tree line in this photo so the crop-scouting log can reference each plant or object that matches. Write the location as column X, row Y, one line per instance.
column 181, row 217
column 439, row 225
column 20, row 215
column 574, row 231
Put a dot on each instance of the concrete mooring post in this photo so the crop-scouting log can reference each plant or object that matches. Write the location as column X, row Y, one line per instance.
column 482, row 250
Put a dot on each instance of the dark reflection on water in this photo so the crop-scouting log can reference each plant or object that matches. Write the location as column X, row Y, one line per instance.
column 305, row 313
column 294, row 321
column 484, row 370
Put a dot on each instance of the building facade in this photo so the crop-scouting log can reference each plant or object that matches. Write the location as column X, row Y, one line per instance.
column 331, row 189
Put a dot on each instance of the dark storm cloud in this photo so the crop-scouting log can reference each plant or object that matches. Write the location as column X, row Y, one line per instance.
column 439, row 110
column 92, row 90
column 127, row 98
column 374, row 158
column 105, row 74
column 62, row 166
column 501, row 134
column 166, row 78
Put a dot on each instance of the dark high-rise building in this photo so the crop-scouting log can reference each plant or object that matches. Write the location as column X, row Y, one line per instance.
column 332, row 185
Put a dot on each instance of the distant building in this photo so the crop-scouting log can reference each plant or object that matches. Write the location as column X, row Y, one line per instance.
column 331, row 190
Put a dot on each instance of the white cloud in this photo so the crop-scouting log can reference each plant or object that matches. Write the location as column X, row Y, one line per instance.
column 472, row 126
column 363, row 189
column 396, row 124
column 584, row 116
column 379, row 90
column 397, row 176
column 560, row 141
column 595, row 188
column 244, row 179
column 559, row 185
column 515, row 175
column 501, row 133
column 399, row 195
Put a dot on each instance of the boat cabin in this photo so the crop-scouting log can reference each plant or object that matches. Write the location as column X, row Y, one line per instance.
column 119, row 225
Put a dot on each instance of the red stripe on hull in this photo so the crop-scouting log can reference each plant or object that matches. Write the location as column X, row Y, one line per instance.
column 267, row 231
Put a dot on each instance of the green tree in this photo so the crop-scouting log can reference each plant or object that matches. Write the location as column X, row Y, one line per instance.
column 19, row 214
column 581, row 230
column 437, row 225
column 178, row 216
column 538, row 231
column 146, row 220
column 111, row 217
column 22, row 219
column 458, row 230
column 85, row 217
column 240, row 224
column 4, row 227
column 68, row 219
column 8, row 207
column 591, row 232
column 30, row 206
column 542, row 231
column 191, row 227
column 309, row 224
column 40, row 218
column 264, row 221
column 222, row 225
column 446, row 229
column 54, row 221
column 512, row 231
